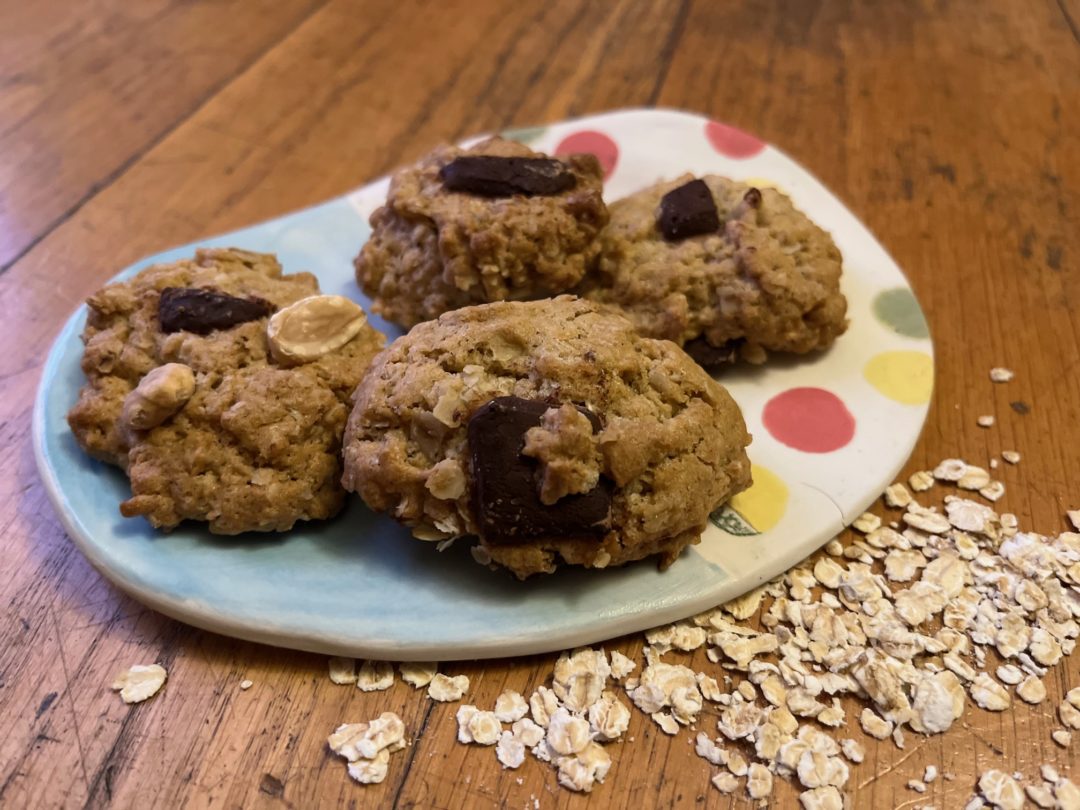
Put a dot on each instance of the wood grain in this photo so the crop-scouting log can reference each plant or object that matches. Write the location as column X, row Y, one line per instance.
column 950, row 128
column 86, row 88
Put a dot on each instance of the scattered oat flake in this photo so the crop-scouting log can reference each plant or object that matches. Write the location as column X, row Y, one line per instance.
column 375, row 676
column 897, row 496
column 342, row 670
column 917, row 785
column 985, row 421
column 609, row 717
column 510, row 751
column 823, row 798
column 1031, row 690
column 370, row 771
column 566, row 733
column 1074, row 518
column 725, row 782
column 989, row 694
column 974, row 478
column 759, row 781
column 140, row 682
column 1062, row 737
column 484, row 728
column 356, row 741
column 1001, row 790
column 929, row 774
column 418, row 673
column 1067, row 794
column 921, row 481
column 1041, row 795
column 621, row 666
column 853, row 750
column 951, row 469
column 246, row 684
column 510, row 706
column 446, row 689
column 866, row 522
column 993, row 491
column 1011, row 456
column 528, row 732
column 1001, row 375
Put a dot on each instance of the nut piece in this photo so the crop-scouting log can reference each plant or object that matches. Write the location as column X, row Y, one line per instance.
column 312, row 327
column 139, row 683
column 159, row 395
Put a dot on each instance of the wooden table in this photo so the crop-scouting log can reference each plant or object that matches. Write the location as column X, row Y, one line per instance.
column 126, row 128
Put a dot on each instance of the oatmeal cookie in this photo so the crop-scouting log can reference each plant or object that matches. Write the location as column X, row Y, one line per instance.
column 720, row 268
column 470, row 226
column 550, row 430
column 184, row 393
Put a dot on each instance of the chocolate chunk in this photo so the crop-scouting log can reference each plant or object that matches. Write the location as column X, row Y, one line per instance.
column 506, row 492
column 688, row 210
column 753, row 198
column 183, row 309
column 710, row 357
column 491, row 176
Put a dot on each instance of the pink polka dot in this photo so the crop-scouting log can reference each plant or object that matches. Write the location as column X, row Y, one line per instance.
column 809, row 419
column 732, row 142
column 594, row 142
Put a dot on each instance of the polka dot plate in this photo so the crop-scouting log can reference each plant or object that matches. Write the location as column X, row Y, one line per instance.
column 830, row 432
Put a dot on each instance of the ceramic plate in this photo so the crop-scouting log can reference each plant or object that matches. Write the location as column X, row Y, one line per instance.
column 830, row 432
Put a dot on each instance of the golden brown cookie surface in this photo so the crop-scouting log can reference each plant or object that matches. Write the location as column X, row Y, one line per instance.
column 246, row 444
column 767, row 280
column 433, row 250
column 551, row 430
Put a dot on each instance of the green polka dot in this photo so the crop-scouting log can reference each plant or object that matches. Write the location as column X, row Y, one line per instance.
column 524, row 134
column 898, row 310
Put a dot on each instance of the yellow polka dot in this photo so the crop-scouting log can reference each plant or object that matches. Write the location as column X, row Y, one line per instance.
column 764, row 503
column 761, row 182
column 905, row 376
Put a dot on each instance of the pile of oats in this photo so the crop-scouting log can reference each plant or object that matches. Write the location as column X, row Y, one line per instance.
column 903, row 618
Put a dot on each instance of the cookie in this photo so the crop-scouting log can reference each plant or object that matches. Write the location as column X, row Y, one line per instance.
column 751, row 276
column 221, row 387
column 491, row 223
column 550, row 430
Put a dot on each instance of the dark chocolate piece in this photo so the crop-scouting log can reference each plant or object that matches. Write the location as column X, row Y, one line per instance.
column 710, row 357
column 688, row 210
column 752, row 198
column 506, row 491
column 184, row 309
column 491, row 176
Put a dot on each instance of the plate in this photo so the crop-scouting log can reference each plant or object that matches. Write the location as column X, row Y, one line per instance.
column 830, row 432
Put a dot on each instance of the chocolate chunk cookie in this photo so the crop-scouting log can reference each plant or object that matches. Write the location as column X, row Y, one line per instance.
column 184, row 392
column 550, row 430
column 753, row 277
column 491, row 223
